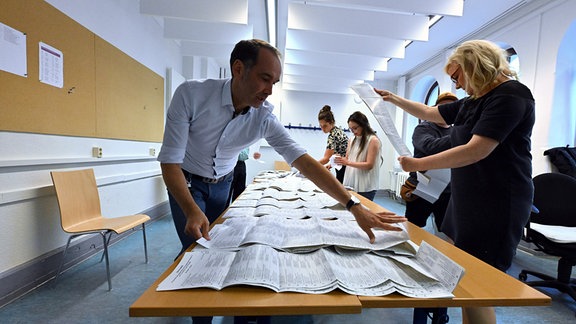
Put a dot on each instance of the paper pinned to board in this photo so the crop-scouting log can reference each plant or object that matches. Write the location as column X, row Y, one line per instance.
column 378, row 107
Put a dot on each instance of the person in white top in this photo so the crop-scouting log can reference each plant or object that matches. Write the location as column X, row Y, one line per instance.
column 362, row 158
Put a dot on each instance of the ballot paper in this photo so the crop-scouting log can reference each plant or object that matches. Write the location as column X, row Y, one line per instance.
column 380, row 109
column 334, row 164
column 302, row 235
column 431, row 184
column 429, row 274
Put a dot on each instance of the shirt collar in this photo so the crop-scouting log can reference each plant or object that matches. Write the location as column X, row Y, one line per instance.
column 227, row 94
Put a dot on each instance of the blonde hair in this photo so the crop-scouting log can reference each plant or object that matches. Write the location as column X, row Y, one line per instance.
column 482, row 62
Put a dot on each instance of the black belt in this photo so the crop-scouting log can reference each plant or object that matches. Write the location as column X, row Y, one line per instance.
column 204, row 179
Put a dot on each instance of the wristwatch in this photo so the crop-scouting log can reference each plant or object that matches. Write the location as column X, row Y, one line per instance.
column 352, row 202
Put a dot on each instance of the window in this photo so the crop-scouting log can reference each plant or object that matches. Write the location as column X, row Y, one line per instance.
column 562, row 129
column 432, row 94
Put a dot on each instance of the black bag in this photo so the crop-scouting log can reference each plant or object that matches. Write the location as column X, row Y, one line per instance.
column 564, row 159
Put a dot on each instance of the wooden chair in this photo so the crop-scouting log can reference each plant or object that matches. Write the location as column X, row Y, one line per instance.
column 80, row 214
column 282, row 166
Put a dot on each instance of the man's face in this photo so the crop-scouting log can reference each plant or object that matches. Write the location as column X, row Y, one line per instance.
column 254, row 85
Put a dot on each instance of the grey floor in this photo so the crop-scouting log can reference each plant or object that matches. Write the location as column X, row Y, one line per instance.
column 80, row 295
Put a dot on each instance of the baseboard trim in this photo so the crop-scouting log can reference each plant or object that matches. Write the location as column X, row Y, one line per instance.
column 24, row 278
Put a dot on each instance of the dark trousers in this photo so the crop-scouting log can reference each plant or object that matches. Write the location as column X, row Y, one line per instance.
column 419, row 210
column 368, row 194
column 340, row 174
column 238, row 182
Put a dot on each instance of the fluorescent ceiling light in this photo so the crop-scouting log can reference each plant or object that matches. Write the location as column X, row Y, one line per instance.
column 271, row 19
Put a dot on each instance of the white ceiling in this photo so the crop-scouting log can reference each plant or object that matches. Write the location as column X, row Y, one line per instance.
column 328, row 45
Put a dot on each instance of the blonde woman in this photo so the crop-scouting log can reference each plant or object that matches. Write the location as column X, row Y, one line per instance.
column 491, row 177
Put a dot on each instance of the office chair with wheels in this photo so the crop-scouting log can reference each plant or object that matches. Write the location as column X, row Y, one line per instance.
column 552, row 229
column 80, row 214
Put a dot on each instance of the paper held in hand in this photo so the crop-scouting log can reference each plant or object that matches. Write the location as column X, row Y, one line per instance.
column 380, row 110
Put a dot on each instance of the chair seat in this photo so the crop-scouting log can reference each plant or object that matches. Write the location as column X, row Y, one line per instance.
column 552, row 229
column 116, row 224
column 558, row 234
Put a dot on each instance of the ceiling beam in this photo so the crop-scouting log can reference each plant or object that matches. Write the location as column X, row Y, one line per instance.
column 307, row 70
column 357, row 22
column 202, row 10
column 351, row 61
column 339, row 43
column 427, row 7
column 206, row 31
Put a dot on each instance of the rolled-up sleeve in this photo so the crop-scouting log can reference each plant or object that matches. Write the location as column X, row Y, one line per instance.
column 277, row 136
column 176, row 130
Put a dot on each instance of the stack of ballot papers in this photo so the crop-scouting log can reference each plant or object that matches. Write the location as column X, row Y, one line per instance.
column 429, row 274
column 285, row 234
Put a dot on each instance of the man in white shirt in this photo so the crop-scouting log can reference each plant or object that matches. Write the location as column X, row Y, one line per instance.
column 207, row 125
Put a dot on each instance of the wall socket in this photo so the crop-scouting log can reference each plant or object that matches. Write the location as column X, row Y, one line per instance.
column 152, row 152
column 97, row 152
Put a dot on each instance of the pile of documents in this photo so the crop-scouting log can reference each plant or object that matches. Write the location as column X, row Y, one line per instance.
column 315, row 250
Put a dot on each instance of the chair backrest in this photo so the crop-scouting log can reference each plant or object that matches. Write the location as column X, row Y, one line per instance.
column 282, row 166
column 555, row 198
column 77, row 195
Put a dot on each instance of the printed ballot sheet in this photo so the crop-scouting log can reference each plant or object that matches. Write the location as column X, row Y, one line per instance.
column 380, row 110
column 313, row 255
column 429, row 275
column 431, row 184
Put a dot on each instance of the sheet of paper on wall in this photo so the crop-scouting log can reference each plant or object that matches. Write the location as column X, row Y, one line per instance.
column 380, row 110
column 13, row 51
column 51, row 65
column 432, row 184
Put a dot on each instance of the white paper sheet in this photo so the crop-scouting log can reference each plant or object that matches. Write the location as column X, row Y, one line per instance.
column 380, row 110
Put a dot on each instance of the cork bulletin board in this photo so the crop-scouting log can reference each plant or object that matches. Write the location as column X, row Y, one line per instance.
column 105, row 94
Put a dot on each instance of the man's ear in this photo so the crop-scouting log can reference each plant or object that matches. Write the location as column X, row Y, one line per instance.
column 237, row 68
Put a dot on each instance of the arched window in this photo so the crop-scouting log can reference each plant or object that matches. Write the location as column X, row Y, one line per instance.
column 513, row 60
column 432, row 94
column 563, row 118
column 511, row 56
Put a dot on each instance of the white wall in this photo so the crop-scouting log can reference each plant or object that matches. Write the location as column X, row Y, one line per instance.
column 130, row 181
column 535, row 32
column 128, row 176
column 301, row 108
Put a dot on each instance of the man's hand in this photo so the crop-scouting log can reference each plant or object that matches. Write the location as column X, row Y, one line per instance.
column 368, row 220
column 197, row 226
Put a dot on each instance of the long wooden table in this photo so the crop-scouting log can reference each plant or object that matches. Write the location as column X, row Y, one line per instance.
column 481, row 285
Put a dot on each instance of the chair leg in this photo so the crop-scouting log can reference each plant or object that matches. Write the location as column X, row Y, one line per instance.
column 145, row 245
column 63, row 257
column 564, row 270
column 105, row 242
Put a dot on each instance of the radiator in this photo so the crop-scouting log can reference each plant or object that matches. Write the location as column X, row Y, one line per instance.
column 400, row 179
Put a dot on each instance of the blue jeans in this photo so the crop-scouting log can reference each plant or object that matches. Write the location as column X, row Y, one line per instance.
column 212, row 198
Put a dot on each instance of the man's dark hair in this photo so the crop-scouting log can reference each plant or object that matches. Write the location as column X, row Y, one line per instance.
column 247, row 52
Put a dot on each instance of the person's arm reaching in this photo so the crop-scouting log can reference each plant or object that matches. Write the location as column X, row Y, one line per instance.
column 478, row 148
column 326, row 158
column 414, row 108
column 197, row 224
column 366, row 219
